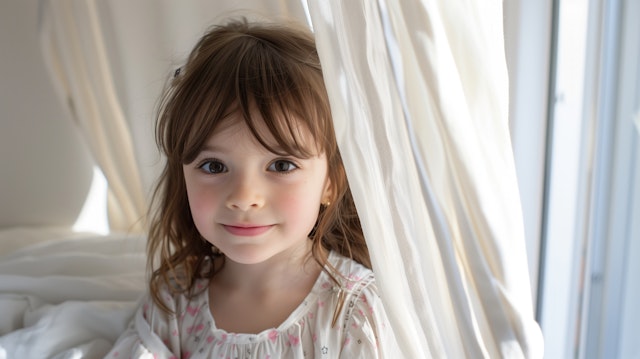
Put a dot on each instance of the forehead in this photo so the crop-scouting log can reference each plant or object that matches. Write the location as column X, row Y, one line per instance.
column 278, row 135
column 233, row 130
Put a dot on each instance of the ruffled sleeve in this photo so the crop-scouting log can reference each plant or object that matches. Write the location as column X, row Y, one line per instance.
column 368, row 333
column 149, row 334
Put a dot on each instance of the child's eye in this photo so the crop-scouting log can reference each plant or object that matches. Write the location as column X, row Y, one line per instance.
column 282, row 166
column 213, row 167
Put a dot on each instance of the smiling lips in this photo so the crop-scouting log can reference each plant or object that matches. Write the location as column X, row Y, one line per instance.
column 247, row 231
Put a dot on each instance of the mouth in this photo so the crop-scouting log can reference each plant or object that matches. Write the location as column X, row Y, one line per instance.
column 246, row 231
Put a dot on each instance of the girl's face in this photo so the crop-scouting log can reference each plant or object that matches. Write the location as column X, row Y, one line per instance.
column 250, row 203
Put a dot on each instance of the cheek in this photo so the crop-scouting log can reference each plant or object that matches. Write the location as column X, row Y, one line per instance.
column 300, row 206
column 201, row 202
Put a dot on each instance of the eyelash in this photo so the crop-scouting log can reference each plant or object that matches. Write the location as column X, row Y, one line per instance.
column 291, row 163
column 207, row 163
column 205, row 166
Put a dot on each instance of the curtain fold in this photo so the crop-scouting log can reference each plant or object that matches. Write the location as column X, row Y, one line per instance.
column 75, row 53
column 418, row 91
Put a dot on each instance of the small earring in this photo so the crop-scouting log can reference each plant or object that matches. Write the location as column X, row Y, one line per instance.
column 326, row 204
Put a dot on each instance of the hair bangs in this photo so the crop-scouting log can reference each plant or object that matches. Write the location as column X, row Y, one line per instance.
column 246, row 73
column 287, row 95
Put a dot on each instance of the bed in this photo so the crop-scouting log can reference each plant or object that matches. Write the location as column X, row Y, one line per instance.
column 66, row 294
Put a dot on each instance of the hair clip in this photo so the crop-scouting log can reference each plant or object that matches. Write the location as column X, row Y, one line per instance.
column 177, row 72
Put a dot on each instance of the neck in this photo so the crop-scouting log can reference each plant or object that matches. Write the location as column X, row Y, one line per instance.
column 284, row 271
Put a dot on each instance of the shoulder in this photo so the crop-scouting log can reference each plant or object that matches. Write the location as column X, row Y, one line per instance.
column 160, row 329
column 366, row 328
column 163, row 308
column 360, row 297
column 356, row 282
column 153, row 329
column 351, row 274
column 174, row 298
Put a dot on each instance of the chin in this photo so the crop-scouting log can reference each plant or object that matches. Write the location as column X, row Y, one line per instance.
column 247, row 255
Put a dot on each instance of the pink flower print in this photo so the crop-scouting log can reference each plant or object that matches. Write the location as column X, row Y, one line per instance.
column 116, row 354
column 195, row 328
column 186, row 355
column 174, row 333
column 326, row 285
column 267, row 357
column 349, row 285
column 273, row 335
column 320, row 303
column 352, row 279
column 210, row 339
column 311, row 315
column 193, row 310
column 314, row 337
column 223, row 340
column 293, row 340
column 347, row 341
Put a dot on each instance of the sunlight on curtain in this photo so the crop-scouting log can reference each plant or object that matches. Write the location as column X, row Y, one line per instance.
column 419, row 91
column 74, row 50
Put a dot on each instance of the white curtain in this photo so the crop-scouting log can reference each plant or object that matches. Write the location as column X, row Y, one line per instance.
column 75, row 53
column 419, row 95
column 418, row 91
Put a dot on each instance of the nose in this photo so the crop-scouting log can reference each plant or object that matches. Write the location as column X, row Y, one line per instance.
column 245, row 194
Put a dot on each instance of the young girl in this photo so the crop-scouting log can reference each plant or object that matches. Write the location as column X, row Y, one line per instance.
column 256, row 249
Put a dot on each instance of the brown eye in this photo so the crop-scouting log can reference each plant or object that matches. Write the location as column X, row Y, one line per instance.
column 213, row 167
column 282, row 166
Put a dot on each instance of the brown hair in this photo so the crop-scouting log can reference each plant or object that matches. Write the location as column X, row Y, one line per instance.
column 236, row 68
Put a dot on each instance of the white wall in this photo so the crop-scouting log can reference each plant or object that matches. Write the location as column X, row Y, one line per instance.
column 45, row 170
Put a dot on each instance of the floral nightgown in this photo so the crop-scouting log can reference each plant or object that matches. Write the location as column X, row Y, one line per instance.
column 362, row 329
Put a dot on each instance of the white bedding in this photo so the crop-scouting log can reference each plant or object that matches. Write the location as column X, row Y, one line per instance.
column 66, row 295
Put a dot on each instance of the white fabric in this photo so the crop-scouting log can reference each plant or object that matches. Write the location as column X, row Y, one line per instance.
column 362, row 330
column 74, row 49
column 66, row 295
column 418, row 91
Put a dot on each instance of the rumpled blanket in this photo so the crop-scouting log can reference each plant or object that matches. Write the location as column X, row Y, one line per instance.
column 65, row 294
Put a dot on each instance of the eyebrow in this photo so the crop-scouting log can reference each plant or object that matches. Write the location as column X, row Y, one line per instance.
column 213, row 148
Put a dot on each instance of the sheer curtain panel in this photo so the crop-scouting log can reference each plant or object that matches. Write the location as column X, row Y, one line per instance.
column 419, row 94
column 75, row 52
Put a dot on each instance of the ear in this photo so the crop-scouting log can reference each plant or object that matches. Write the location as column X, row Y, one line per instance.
column 327, row 193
